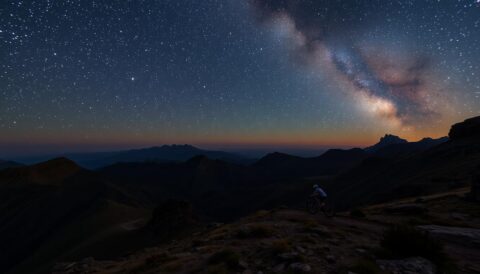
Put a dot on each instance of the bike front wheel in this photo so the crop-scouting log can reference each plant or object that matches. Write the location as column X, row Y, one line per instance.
column 312, row 206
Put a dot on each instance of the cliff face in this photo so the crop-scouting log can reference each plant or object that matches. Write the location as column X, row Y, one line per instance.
column 476, row 186
column 469, row 128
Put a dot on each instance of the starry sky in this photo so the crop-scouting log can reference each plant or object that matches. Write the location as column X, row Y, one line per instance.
column 98, row 75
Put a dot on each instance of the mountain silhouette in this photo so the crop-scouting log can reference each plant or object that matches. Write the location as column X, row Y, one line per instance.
column 54, row 210
column 449, row 164
column 408, row 148
column 165, row 153
column 59, row 211
column 332, row 162
column 467, row 129
column 386, row 140
column 8, row 164
column 50, row 172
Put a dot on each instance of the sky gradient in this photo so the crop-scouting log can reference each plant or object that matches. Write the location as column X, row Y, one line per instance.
column 88, row 75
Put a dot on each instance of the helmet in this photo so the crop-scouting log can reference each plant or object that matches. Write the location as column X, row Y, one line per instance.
column 315, row 186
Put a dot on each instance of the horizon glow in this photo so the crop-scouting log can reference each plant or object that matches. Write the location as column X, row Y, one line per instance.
column 87, row 76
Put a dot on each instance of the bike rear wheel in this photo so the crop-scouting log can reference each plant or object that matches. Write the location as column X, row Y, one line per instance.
column 328, row 209
column 312, row 206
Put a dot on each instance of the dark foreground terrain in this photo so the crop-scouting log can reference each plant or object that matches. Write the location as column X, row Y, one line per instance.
column 222, row 215
column 293, row 241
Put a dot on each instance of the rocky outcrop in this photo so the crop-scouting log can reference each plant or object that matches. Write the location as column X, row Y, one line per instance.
column 416, row 265
column 385, row 141
column 460, row 235
column 467, row 129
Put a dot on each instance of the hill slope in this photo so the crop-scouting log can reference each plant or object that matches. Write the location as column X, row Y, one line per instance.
column 8, row 164
column 286, row 240
column 55, row 210
column 439, row 168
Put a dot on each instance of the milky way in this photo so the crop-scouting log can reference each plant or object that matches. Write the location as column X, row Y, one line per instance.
column 391, row 82
column 77, row 75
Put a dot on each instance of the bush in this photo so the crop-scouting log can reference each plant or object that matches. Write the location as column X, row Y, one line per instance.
column 255, row 231
column 357, row 213
column 280, row 246
column 404, row 241
column 158, row 259
column 227, row 257
column 365, row 266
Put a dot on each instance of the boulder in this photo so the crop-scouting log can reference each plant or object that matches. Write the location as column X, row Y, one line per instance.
column 331, row 259
column 415, row 265
column 280, row 268
column 460, row 235
column 300, row 267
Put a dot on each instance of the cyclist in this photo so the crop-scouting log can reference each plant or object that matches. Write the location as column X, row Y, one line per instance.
column 319, row 194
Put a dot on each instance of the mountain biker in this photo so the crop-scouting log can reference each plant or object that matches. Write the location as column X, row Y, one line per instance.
column 319, row 194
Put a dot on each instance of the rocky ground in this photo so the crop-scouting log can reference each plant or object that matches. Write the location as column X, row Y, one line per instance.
column 294, row 241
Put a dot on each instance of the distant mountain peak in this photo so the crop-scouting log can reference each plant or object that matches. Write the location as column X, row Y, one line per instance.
column 50, row 172
column 388, row 139
column 60, row 161
column 392, row 138
column 277, row 156
column 8, row 164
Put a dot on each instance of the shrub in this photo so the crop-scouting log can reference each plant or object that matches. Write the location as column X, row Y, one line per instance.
column 364, row 266
column 158, row 259
column 217, row 269
column 403, row 241
column 255, row 231
column 227, row 257
column 280, row 246
column 357, row 213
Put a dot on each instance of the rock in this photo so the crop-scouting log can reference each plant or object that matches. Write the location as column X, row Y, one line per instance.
column 258, row 262
column 320, row 231
column 361, row 251
column 279, row 268
column 331, row 259
column 465, row 129
column 83, row 266
column 243, row 264
column 419, row 200
column 300, row 249
column 325, row 248
column 410, row 209
column 289, row 256
column 460, row 235
column 214, row 225
column 459, row 216
column 416, row 265
column 300, row 267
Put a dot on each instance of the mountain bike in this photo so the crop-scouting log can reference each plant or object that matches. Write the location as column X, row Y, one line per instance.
column 314, row 205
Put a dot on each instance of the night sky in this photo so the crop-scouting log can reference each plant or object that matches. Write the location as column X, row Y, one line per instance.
column 97, row 75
